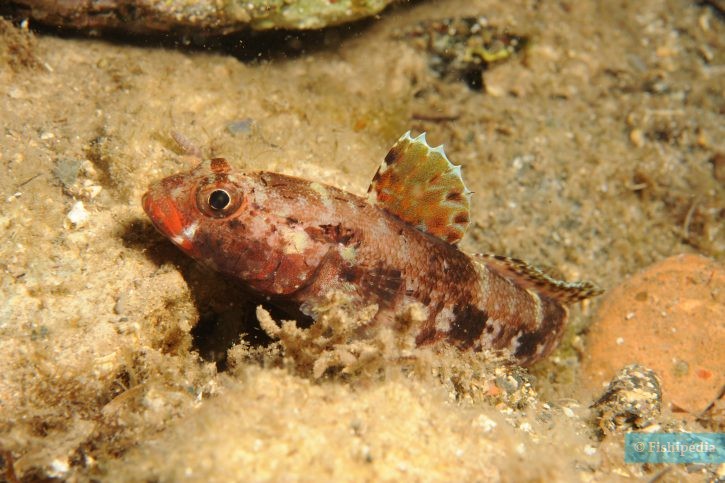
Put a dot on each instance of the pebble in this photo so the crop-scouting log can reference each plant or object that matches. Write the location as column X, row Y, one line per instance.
column 78, row 215
column 670, row 317
column 243, row 126
column 637, row 137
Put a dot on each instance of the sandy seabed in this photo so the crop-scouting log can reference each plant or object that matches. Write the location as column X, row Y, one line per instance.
column 591, row 153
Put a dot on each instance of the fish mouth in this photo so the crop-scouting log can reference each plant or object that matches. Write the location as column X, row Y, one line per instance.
column 166, row 218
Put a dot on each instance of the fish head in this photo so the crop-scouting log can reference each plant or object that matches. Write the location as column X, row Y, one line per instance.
column 184, row 205
column 233, row 222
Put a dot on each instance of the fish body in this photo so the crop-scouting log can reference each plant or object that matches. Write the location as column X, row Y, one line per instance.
column 295, row 240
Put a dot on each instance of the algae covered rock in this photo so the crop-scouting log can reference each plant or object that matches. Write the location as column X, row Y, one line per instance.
column 631, row 401
column 200, row 17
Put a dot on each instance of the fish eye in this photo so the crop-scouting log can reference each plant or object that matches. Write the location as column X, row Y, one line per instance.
column 219, row 199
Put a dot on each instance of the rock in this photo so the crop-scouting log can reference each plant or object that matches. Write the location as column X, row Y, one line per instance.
column 205, row 18
column 632, row 400
column 671, row 318
column 462, row 48
column 78, row 216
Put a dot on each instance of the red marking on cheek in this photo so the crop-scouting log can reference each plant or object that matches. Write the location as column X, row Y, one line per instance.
column 172, row 220
column 164, row 215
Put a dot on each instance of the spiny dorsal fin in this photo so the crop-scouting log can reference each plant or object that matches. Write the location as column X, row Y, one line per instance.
column 419, row 185
column 531, row 277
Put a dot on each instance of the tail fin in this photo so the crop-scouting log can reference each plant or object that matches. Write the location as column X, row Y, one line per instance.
column 531, row 277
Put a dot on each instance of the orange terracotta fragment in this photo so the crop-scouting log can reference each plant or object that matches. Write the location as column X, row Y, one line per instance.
column 669, row 317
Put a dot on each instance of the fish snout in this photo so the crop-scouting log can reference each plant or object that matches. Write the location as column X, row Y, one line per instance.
column 168, row 218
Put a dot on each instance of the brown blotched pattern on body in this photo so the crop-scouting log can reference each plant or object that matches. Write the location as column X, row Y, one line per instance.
column 296, row 240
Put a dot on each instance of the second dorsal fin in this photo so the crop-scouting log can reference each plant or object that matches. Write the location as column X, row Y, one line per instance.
column 419, row 185
column 531, row 277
